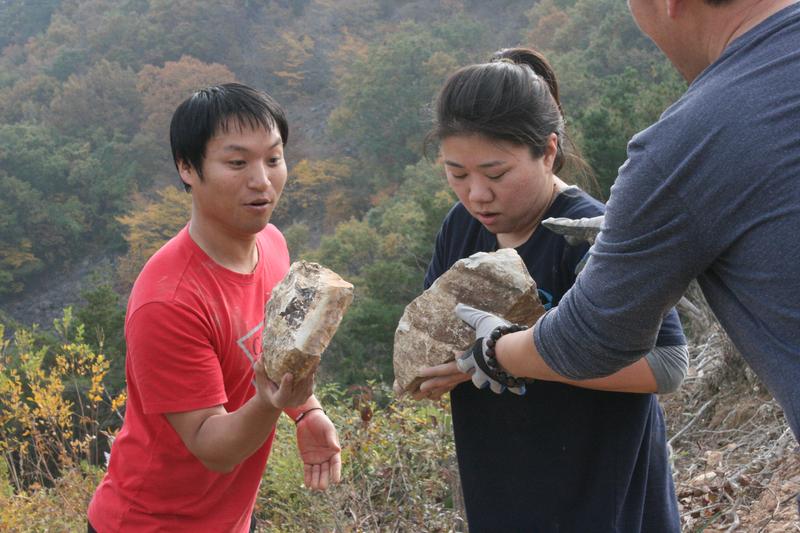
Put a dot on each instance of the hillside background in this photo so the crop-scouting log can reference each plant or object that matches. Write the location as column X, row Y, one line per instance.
column 88, row 191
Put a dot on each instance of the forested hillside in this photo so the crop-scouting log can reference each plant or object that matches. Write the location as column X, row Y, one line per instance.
column 87, row 88
column 88, row 190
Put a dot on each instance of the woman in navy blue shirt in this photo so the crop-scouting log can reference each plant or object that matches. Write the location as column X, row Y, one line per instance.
column 563, row 456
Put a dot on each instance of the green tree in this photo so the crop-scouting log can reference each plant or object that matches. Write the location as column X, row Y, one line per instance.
column 613, row 81
column 20, row 19
column 103, row 319
column 385, row 96
column 385, row 256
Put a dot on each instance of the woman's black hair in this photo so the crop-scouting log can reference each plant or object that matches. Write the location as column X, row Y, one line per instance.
column 210, row 110
column 512, row 98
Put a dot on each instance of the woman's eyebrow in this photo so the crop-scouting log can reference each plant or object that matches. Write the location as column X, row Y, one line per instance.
column 482, row 165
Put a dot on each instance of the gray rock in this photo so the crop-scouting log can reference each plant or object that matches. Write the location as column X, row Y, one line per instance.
column 429, row 333
column 301, row 317
column 575, row 230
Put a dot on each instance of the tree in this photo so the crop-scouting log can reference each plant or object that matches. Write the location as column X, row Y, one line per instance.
column 28, row 100
column 385, row 96
column 105, row 97
column 103, row 319
column 20, row 19
column 148, row 226
column 612, row 79
column 318, row 189
column 162, row 89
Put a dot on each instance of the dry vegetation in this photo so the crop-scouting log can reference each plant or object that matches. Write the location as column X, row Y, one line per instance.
column 736, row 463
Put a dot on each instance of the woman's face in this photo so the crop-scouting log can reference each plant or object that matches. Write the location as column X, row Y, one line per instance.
column 501, row 184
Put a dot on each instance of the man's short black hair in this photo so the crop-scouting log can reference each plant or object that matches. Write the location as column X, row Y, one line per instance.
column 214, row 109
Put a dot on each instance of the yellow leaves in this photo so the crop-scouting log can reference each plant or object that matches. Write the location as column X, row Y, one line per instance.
column 320, row 173
column 312, row 186
column 18, row 256
column 353, row 48
column 119, row 401
column 296, row 51
column 49, row 408
column 151, row 223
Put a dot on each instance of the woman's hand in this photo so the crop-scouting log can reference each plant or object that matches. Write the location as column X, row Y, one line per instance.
column 440, row 379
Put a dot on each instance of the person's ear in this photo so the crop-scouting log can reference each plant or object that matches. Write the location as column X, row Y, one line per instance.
column 550, row 151
column 187, row 172
column 674, row 8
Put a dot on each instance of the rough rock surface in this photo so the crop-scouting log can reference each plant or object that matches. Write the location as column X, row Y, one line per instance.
column 301, row 317
column 429, row 332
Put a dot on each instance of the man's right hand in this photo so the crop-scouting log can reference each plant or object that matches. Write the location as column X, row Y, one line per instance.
column 289, row 393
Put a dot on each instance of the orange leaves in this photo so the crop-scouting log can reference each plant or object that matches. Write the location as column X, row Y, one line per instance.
column 163, row 88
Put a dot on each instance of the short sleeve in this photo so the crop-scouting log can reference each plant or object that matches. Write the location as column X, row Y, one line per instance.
column 172, row 359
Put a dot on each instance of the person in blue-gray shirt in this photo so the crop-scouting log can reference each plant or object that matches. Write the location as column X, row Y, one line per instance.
column 541, row 456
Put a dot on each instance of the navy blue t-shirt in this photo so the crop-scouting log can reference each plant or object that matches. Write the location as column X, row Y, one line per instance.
column 560, row 458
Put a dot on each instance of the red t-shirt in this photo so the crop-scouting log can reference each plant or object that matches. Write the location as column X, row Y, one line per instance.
column 193, row 330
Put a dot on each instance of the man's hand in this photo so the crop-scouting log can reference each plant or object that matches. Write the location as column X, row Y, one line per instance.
column 319, row 449
column 442, row 378
column 483, row 323
column 289, row 393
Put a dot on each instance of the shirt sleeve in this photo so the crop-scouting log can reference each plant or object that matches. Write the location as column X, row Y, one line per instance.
column 641, row 264
column 172, row 359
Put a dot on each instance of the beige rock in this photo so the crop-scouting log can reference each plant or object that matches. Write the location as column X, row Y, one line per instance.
column 429, row 333
column 301, row 317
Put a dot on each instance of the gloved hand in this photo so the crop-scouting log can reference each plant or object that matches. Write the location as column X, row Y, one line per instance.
column 483, row 323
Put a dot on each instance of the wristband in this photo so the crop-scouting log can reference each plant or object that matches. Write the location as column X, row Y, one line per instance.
column 497, row 373
column 304, row 413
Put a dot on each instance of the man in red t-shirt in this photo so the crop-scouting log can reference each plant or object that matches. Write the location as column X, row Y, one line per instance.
column 201, row 415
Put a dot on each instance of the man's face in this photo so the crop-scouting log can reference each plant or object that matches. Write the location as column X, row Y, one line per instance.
column 648, row 16
column 672, row 35
column 243, row 176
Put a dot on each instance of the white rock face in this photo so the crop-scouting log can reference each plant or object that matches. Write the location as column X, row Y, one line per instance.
column 301, row 317
column 429, row 333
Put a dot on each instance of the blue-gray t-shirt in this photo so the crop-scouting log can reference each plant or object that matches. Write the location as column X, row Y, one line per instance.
column 711, row 191
column 559, row 458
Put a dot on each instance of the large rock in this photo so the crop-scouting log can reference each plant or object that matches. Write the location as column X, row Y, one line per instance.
column 301, row 317
column 429, row 332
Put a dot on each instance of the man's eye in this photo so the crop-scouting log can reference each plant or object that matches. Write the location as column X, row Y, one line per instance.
column 275, row 160
column 498, row 176
column 236, row 163
column 458, row 176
